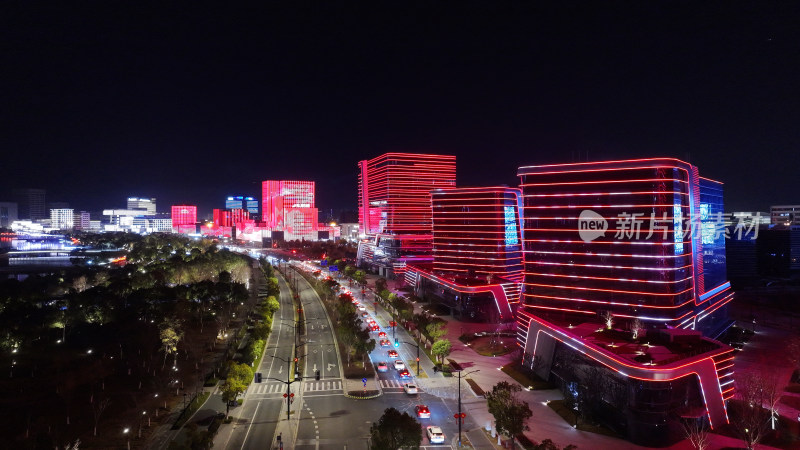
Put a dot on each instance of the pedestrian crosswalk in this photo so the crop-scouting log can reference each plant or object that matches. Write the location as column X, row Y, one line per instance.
column 316, row 386
column 394, row 384
column 267, row 388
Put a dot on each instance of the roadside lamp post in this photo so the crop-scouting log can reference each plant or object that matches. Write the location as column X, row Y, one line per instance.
column 127, row 437
column 460, row 415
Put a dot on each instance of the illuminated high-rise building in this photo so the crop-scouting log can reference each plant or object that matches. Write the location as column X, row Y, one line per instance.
column 477, row 253
column 624, row 288
column 147, row 205
column 250, row 204
column 184, row 218
column 394, row 195
column 62, row 218
column 288, row 206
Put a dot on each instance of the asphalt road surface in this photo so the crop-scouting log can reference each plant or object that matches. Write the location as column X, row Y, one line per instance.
column 264, row 401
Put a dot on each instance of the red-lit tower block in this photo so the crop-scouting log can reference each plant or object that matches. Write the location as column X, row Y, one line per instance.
column 477, row 249
column 289, row 206
column 395, row 210
column 585, row 267
column 184, row 219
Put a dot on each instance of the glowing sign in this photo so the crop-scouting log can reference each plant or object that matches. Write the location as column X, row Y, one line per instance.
column 511, row 226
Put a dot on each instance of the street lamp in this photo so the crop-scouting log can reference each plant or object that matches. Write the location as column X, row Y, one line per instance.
column 460, row 415
column 127, row 436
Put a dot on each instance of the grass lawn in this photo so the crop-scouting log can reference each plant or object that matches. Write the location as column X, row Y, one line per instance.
column 483, row 346
column 569, row 416
column 515, row 371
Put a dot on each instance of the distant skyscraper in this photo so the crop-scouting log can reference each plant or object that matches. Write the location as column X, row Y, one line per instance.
column 62, row 219
column 785, row 215
column 82, row 220
column 8, row 214
column 394, row 200
column 242, row 202
column 288, row 206
column 184, row 218
column 146, row 204
column 31, row 204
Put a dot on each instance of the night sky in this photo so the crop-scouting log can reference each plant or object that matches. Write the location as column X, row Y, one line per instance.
column 190, row 103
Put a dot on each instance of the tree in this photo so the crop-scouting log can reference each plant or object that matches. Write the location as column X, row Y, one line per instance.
column 360, row 277
column 239, row 376
column 380, row 284
column 436, row 329
column 748, row 418
column 697, row 434
column 441, row 349
column 395, row 430
column 97, row 411
column 170, row 334
column 510, row 413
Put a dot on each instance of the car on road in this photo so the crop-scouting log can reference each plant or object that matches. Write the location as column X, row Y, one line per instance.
column 385, row 343
column 435, row 435
column 399, row 364
column 410, row 389
column 423, row 412
column 392, row 353
column 375, row 328
column 383, row 367
column 404, row 374
column 362, row 308
column 382, row 334
column 364, row 314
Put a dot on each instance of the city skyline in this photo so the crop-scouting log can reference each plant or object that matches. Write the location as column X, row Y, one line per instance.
column 191, row 106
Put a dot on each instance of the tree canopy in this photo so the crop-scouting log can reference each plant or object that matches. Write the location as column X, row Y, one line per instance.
column 395, row 430
column 510, row 413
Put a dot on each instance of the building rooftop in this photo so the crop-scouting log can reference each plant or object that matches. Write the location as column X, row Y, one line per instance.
column 655, row 347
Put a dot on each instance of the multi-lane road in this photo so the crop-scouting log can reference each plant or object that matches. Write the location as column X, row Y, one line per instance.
column 324, row 417
column 264, row 402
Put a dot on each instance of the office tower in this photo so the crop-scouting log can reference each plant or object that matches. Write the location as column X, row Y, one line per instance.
column 394, row 194
column 288, row 206
column 477, row 253
column 624, row 272
column 62, row 219
column 250, row 204
column 31, row 204
column 148, row 205
column 184, row 218
column 8, row 214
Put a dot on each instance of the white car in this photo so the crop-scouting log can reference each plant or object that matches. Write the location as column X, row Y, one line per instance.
column 410, row 388
column 399, row 365
column 362, row 308
column 435, row 435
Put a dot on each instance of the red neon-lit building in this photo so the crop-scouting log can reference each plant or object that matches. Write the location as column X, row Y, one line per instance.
column 477, row 253
column 288, row 206
column 184, row 219
column 394, row 199
column 633, row 312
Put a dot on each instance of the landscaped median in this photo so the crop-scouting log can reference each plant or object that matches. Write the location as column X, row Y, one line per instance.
column 352, row 340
